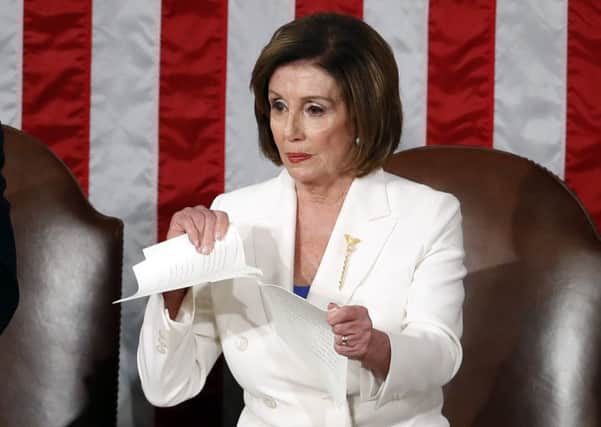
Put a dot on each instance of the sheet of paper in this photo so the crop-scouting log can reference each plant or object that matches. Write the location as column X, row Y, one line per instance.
column 305, row 329
column 175, row 264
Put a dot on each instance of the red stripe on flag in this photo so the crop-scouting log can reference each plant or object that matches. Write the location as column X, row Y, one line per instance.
column 348, row 7
column 583, row 114
column 191, row 105
column 461, row 60
column 56, row 78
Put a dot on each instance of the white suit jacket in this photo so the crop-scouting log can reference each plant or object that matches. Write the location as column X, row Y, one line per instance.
column 407, row 271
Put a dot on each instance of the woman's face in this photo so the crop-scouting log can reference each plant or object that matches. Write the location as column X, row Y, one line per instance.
column 310, row 123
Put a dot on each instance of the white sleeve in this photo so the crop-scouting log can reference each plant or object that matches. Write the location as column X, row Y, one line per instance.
column 176, row 356
column 427, row 352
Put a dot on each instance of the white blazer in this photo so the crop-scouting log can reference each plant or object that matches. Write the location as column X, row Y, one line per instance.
column 407, row 271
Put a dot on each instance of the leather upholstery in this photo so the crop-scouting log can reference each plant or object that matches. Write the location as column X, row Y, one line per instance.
column 60, row 354
column 532, row 315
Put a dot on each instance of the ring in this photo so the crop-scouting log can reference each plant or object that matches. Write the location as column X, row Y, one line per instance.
column 344, row 340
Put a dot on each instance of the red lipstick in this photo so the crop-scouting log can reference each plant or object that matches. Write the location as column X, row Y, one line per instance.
column 298, row 157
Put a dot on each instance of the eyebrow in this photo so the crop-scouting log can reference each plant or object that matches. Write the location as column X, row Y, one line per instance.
column 306, row 98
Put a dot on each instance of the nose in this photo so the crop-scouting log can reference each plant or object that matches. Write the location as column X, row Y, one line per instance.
column 294, row 127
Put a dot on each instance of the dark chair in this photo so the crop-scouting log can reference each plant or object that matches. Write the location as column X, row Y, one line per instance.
column 60, row 353
column 532, row 314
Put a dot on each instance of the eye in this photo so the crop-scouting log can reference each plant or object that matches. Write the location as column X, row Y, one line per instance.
column 315, row 109
column 277, row 105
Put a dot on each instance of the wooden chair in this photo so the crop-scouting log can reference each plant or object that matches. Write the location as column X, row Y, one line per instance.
column 532, row 314
column 60, row 353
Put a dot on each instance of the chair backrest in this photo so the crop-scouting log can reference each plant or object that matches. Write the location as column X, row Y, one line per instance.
column 532, row 314
column 60, row 353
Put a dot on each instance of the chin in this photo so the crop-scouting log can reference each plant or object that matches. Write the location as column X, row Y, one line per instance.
column 309, row 176
column 301, row 174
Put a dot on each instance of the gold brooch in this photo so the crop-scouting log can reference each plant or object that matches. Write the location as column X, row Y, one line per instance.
column 351, row 242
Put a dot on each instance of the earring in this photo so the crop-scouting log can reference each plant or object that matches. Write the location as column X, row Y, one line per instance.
column 357, row 141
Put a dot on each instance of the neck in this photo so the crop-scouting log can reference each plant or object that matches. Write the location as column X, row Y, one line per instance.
column 324, row 194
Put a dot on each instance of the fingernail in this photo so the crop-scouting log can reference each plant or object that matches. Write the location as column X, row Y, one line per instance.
column 205, row 250
column 219, row 236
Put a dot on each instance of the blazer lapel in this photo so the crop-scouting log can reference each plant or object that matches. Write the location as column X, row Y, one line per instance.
column 365, row 215
column 274, row 240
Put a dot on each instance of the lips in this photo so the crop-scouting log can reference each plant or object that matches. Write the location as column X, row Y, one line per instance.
column 298, row 157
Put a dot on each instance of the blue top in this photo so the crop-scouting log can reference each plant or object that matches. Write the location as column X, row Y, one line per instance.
column 302, row 291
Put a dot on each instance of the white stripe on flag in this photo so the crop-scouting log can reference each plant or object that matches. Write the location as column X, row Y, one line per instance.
column 124, row 154
column 11, row 62
column 530, row 80
column 404, row 25
column 250, row 25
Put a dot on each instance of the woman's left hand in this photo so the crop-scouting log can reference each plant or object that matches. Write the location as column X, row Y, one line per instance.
column 352, row 329
column 356, row 338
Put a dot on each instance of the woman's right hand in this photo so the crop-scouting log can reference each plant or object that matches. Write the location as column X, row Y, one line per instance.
column 203, row 226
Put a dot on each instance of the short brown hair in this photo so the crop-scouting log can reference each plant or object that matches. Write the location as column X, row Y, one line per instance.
column 362, row 64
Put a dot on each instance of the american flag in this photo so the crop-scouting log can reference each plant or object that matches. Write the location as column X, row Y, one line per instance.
column 147, row 101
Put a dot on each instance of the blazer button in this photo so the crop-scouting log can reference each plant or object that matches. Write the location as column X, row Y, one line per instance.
column 269, row 402
column 162, row 340
column 242, row 343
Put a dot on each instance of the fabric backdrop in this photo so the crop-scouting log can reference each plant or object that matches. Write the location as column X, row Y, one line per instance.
column 147, row 101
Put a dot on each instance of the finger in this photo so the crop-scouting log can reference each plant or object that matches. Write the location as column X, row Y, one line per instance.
column 175, row 229
column 197, row 224
column 340, row 348
column 342, row 314
column 222, row 224
column 343, row 340
column 332, row 308
column 346, row 328
column 352, row 350
column 352, row 313
column 353, row 354
column 181, row 223
column 208, row 234
column 357, row 351
column 345, row 351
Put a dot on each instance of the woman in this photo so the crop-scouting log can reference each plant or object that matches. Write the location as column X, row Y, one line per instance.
column 328, row 110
